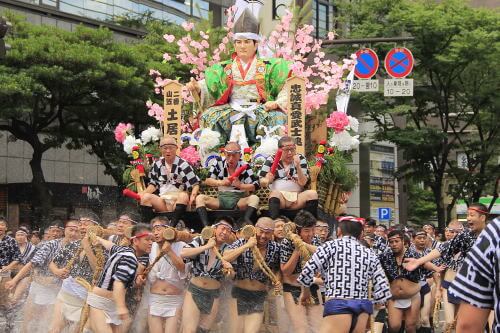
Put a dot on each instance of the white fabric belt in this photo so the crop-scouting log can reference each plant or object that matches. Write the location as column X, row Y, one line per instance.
column 72, row 287
column 43, row 295
column 168, row 188
column 107, row 306
column 164, row 305
column 243, row 110
column 285, row 185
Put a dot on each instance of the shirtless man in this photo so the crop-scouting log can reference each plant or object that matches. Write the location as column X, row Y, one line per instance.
column 287, row 184
column 405, row 302
column 108, row 310
column 251, row 285
column 166, row 280
column 302, row 317
column 201, row 302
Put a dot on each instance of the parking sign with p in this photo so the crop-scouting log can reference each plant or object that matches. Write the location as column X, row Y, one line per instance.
column 384, row 214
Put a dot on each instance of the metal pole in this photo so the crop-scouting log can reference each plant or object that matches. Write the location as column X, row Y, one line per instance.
column 366, row 40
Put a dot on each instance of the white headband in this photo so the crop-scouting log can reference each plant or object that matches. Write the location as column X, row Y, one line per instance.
column 246, row 35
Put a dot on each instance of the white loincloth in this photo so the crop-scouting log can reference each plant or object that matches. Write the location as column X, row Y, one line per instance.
column 164, row 305
column 107, row 306
column 71, row 306
column 403, row 303
column 289, row 189
column 43, row 295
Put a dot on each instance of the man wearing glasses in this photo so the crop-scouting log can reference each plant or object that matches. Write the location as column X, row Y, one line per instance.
column 287, row 184
column 232, row 193
column 172, row 177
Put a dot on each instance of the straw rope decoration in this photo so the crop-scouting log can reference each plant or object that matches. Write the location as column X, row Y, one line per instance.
column 250, row 231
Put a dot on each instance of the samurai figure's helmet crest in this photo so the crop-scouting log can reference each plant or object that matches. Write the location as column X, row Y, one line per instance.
column 247, row 26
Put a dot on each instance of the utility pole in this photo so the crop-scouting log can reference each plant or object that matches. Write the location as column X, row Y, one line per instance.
column 4, row 28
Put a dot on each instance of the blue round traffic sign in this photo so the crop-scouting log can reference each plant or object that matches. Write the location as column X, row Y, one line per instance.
column 367, row 63
column 399, row 62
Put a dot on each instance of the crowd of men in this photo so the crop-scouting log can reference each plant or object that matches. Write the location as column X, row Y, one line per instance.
column 239, row 276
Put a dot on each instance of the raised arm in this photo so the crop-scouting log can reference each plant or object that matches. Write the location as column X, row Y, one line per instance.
column 232, row 254
column 176, row 260
column 191, row 252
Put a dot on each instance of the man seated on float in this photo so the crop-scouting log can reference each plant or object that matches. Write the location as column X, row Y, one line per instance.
column 201, row 302
column 251, row 285
column 172, row 177
column 232, row 193
column 288, row 181
column 246, row 92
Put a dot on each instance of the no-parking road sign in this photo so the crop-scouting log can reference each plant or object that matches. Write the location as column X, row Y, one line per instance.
column 367, row 63
column 399, row 62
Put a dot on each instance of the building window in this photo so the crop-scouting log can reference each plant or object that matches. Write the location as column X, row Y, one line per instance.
column 49, row 3
column 322, row 17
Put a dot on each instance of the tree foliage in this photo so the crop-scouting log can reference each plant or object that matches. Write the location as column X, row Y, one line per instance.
column 455, row 104
column 423, row 207
column 71, row 88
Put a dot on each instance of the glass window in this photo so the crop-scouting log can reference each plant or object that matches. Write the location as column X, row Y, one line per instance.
column 51, row 3
column 322, row 17
column 108, row 10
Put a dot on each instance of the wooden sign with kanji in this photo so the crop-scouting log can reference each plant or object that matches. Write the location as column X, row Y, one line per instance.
column 296, row 112
column 172, row 108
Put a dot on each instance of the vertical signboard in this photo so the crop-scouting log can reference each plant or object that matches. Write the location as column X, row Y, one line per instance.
column 172, row 108
column 296, row 111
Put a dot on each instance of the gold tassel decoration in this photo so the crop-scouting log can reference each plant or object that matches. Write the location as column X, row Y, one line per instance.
column 314, row 173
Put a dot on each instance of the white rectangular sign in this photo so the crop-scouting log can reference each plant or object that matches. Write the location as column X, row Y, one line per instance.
column 365, row 85
column 398, row 87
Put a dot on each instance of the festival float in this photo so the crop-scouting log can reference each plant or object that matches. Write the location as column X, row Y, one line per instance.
column 288, row 81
